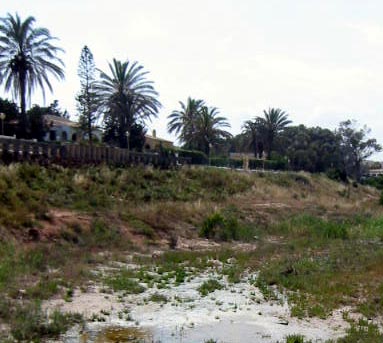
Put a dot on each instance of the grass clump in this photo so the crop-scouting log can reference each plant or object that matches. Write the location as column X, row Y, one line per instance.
column 362, row 331
column 312, row 227
column 267, row 292
column 296, row 339
column 209, row 286
column 158, row 298
column 124, row 281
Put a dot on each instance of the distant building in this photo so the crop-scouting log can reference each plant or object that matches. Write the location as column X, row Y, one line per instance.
column 60, row 129
column 152, row 142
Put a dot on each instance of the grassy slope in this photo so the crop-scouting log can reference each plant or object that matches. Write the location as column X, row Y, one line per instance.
column 314, row 236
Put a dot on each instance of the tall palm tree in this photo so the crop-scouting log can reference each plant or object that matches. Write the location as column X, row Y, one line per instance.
column 209, row 129
column 273, row 122
column 127, row 96
column 182, row 122
column 27, row 57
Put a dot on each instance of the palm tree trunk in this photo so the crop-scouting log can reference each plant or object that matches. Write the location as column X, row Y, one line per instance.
column 24, row 119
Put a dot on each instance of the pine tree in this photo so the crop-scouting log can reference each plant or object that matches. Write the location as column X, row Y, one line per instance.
column 86, row 98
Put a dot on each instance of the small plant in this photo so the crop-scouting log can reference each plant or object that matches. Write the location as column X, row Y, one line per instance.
column 209, row 286
column 295, row 339
column 180, row 276
column 265, row 289
column 158, row 298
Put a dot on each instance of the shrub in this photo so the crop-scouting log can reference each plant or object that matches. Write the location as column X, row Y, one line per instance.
column 212, row 225
column 197, row 157
column 102, row 235
column 337, row 175
column 225, row 226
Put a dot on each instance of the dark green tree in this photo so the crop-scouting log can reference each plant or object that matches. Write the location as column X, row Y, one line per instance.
column 356, row 147
column 12, row 117
column 126, row 98
column 37, row 123
column 86, row 99
column 312, row 149
column 254, row 135
column 27, row 58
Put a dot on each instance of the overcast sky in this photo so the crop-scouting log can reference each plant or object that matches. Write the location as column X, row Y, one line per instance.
column 319, row 60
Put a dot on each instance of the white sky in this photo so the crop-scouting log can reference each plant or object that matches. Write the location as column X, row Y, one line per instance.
column 319, row 60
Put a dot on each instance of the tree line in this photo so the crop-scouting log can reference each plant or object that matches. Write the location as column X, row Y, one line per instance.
column 123, row 100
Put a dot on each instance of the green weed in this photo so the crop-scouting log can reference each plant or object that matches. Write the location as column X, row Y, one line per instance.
column 124, row 281
column 296, row 339
column 158, row 298
column 209, row 286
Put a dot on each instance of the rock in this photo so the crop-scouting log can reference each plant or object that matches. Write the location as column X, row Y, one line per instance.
column 283, row 322
column 231, row 260
column 156, row 254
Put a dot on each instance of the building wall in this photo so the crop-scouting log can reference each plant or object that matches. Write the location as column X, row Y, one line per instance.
column 61, row 134
column 154, row 143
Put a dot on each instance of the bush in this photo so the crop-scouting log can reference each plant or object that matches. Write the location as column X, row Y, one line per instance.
column 197, row 157
column 224, row 226
column 102, row 235
column 337, row 175
column 212, row 225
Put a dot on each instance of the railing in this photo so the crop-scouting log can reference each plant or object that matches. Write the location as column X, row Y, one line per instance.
column 18, row 150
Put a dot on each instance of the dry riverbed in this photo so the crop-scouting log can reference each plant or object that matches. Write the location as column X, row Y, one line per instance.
column 183, row 311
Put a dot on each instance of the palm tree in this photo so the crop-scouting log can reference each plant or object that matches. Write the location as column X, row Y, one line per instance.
column 253, row 131
column 209, row 132
column 182, row 122
column 27, row 57
column 126, row 96
column 273, row 122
